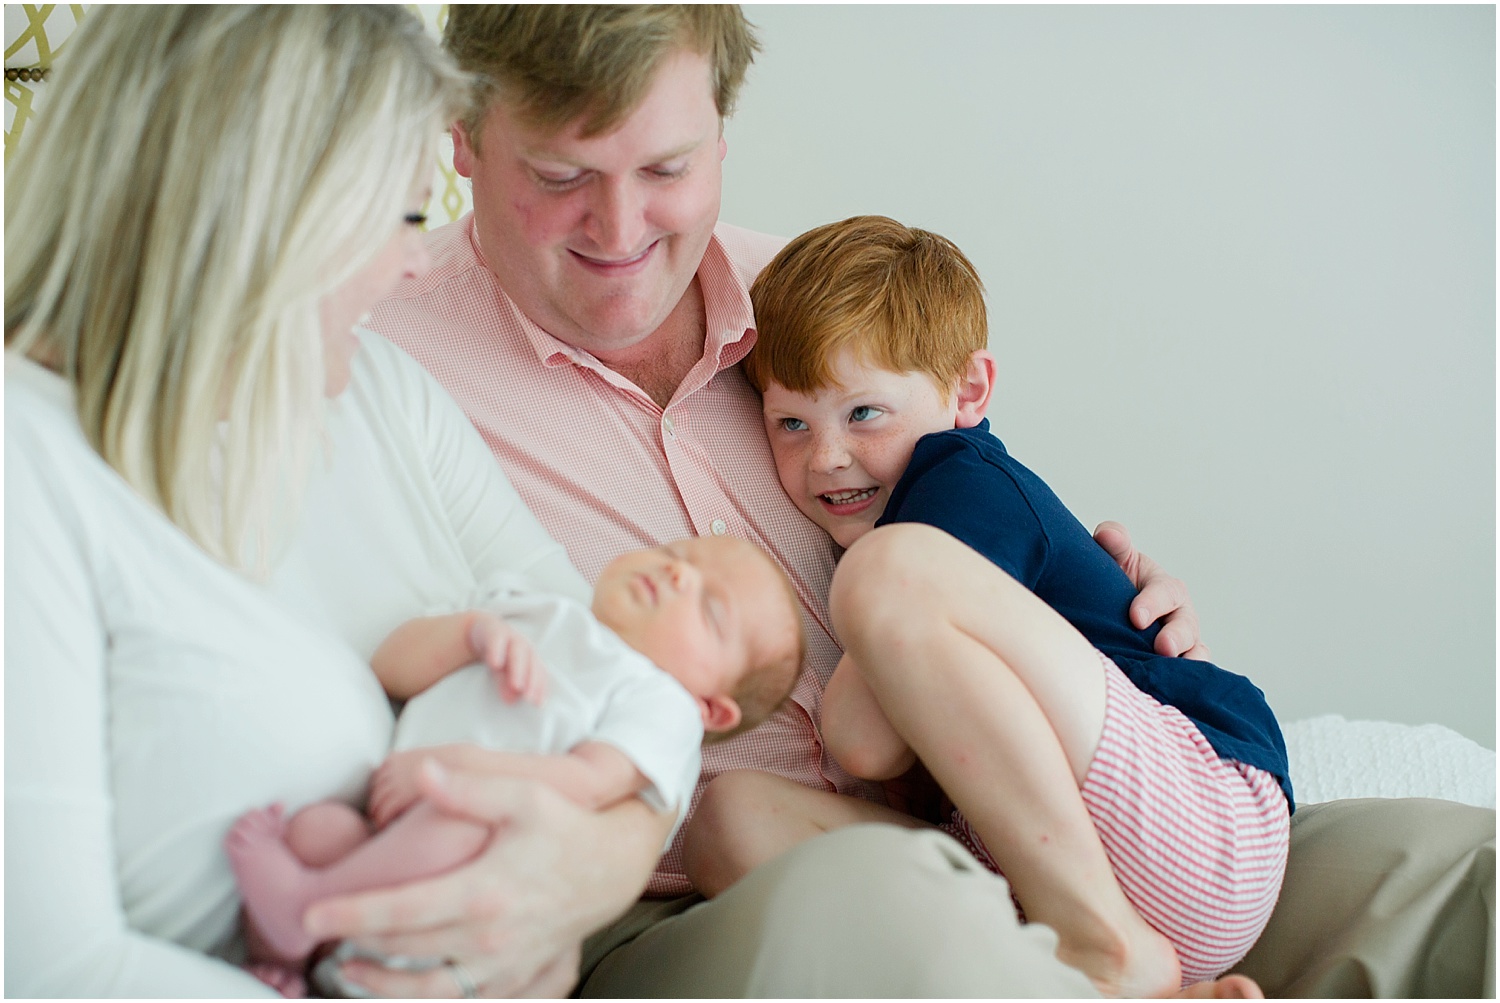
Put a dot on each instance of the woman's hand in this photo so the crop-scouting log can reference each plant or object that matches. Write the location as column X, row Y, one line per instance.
column 1161, row 597
column 513, row 918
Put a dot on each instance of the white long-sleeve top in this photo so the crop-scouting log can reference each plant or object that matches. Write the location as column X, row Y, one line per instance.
column 152, row 695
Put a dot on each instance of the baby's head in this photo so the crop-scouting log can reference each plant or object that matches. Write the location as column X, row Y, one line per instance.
column 718, row 615
column 870, row 335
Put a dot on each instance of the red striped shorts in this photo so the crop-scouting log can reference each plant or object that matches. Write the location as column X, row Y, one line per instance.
column 1198, row 843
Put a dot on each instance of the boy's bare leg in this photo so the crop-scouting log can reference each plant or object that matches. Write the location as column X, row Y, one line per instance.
column 858, row 733
column 278, row 887
column 747, row 817
column 1003, row 700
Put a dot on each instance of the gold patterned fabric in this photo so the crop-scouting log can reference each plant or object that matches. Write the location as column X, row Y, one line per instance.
column 36, row 33
column 33, row 35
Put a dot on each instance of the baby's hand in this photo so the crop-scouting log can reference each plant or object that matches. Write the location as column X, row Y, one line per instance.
column 393, row 788
column 518, row 671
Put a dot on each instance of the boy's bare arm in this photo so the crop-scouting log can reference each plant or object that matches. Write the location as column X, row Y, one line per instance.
column 857, row 731
column 420, row 652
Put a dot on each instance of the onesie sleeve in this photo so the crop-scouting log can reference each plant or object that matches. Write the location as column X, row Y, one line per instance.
column 66, row 932
column 949, row 484
column 499, row 535
column 656, row 723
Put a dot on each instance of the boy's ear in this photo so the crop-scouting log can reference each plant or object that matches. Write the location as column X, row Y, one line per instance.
column 974, row 389
column 720, row 713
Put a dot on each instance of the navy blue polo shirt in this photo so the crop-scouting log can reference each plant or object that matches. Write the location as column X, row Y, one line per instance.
column 965, row 483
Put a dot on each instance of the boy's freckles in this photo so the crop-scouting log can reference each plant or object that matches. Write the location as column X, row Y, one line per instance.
column 839, row 451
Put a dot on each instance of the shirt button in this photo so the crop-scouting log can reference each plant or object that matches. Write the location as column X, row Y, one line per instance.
column 666, row 423
column 719, row 527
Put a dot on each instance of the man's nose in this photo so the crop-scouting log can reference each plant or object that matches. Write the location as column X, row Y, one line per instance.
column 617, row 217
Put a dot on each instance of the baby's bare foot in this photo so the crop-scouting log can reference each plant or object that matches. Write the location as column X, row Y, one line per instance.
column 272, row 882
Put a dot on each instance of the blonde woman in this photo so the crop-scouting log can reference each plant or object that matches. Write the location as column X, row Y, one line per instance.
column 212, row 199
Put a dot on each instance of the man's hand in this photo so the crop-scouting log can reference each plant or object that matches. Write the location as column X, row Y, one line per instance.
column 515, row 916
column 1161, row 597
column 510, row 657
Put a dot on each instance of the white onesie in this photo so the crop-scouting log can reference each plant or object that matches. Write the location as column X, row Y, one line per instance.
column 598, row 688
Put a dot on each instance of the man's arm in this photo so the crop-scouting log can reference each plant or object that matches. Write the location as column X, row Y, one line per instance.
column 1161, row 597
column 514, row 918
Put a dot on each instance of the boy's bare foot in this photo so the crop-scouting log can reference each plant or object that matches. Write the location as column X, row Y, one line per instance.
column 1230, row 987
column 1139, row 963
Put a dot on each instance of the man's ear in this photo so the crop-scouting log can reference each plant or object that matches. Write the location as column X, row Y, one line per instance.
column 720, row 713
column 974, row 389
column 723, row 146
column 464, row 153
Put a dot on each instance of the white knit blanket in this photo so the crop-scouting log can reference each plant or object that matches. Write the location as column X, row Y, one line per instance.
column 1335, row 758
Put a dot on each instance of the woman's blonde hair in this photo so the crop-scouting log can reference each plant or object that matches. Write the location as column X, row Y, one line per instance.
column 200, row 177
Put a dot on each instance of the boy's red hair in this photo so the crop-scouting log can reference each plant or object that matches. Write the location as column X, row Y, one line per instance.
column 903, row 299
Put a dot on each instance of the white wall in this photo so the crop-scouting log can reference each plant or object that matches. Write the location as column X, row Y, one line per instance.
column 1241, row 273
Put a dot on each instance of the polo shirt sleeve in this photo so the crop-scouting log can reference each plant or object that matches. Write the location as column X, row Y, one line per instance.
column 951, row 485
column 656, row 723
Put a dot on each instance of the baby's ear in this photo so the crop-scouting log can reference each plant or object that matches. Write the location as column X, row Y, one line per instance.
column 974, row 388
column 720, row 713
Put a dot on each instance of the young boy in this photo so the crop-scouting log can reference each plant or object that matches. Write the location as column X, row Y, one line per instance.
column 1137, row 804
column 714, row 614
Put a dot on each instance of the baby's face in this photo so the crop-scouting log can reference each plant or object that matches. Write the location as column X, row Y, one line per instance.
column 840, row 451
column 704, row 609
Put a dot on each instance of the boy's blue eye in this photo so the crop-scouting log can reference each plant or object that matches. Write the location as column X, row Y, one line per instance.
column 793, row 424
column 862, row 413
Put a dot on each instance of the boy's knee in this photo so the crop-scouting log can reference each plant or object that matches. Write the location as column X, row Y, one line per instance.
column 886, row 570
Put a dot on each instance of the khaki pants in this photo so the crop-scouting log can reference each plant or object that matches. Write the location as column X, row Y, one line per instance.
column 1382, row 898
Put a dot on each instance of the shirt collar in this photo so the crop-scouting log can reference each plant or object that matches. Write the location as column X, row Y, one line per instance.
column 726, row 299
column 730, row 330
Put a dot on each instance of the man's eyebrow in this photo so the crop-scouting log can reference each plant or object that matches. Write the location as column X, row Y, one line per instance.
column 553, row 156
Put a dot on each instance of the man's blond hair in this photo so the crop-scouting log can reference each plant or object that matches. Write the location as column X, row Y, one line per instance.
column 201, row 178
column 557, row 63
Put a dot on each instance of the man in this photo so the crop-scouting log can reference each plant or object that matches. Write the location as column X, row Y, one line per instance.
column 589, row 316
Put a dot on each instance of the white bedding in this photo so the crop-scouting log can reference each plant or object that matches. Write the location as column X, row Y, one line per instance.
column 1332, row 757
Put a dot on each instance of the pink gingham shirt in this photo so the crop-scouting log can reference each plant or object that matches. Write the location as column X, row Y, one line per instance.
column 607, row 470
